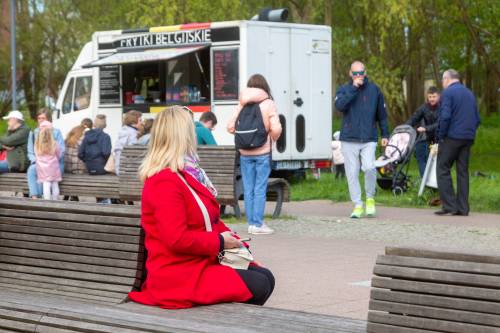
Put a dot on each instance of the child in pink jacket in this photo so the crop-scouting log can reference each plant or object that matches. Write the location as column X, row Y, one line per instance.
column 256, row 163
column 47, row 154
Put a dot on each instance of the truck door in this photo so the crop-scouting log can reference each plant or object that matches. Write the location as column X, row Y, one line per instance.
column 76, row 102
column 300, row 78
column 279, row 78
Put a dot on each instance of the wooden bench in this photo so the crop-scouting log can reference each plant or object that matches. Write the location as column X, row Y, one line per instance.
column 68, row 267
column 104, row 186
column 221, row 165
column 417, row 291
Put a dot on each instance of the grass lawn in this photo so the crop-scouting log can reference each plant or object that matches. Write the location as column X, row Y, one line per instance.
column 484, row 191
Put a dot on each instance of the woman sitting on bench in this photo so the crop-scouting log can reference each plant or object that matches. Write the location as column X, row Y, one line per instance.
column 184, row 235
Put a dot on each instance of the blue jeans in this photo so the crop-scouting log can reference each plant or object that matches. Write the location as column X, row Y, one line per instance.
column 422, row 154
column 255, row 171
column 36, row 188
column 4, row 167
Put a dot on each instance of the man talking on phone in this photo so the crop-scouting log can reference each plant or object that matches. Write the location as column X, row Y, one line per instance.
column 362, row 105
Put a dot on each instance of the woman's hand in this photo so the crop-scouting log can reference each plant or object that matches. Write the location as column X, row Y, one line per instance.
column 230, row 242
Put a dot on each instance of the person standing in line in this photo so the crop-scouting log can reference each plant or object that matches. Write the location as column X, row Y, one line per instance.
column 256, row 108
column 14, row 143
column 127, row 135
column 96, row 147
column 48, row 154
column 95, row 150
column 35, row 188
column 362, row 105
column 204, row 128
column 425, row 118
column 458, row 123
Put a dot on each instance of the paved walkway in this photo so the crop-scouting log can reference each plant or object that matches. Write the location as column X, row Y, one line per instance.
column 323, row 261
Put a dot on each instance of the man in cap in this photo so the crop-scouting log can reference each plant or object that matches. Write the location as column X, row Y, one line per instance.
column 15, row 142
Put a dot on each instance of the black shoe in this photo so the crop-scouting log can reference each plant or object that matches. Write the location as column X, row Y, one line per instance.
column 444, row 213
column 460, row 214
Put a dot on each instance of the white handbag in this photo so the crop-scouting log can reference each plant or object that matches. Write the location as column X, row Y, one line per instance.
column 239, row 258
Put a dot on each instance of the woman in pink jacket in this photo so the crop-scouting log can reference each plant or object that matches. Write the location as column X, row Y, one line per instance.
column 256, row 162
column 47, row 154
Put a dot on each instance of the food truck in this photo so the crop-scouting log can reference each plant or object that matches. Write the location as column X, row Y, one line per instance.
column 204, row 66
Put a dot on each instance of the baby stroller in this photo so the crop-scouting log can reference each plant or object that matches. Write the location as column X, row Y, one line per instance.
column 393, row 165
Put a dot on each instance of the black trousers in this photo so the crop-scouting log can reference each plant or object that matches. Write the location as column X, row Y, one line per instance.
column 260, row 282
column 454, row 151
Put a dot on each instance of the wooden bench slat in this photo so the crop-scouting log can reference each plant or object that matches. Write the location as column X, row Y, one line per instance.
column 436, row 313
column 67, row 206
column 426, row 323
column 76, row 234
column 69, row 225
column 74, row 295
column 72, row 250
column 59, row 287
column 74, row 258
column 72, row 266
column 440, row 264
column 447, row 254
column 382, row 328
column 66, row 282
column 436, row 301
column 71, row 241
column 70, row 274
column 437, row 288
column 438, row 276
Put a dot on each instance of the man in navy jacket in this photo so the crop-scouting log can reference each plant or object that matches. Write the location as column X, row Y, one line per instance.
column 458, row 123
column 363, row 107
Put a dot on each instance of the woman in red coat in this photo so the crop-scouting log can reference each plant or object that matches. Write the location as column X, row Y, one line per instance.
column 182, row 264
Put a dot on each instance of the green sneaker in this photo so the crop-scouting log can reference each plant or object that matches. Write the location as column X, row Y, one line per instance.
column 370, row 207
column 357, row 213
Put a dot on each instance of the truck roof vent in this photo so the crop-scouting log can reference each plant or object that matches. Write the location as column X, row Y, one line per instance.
column 272, row 15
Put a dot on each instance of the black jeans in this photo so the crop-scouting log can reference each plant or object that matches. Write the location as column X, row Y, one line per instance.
column 260, row 282
column 449, row 152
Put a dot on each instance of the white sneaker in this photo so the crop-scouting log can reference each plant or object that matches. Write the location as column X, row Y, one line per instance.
column 250, row 229
column 262, row 230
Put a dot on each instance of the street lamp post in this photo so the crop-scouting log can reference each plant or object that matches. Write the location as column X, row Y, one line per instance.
column 13, row 52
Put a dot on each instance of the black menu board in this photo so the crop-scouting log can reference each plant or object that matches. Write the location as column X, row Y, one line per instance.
column 109, row 82
column 226, row 74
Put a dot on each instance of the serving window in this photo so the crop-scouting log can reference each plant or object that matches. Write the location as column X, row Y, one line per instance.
column 183, row 80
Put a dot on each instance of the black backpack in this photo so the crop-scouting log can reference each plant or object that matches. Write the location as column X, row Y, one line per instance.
column 250, row 130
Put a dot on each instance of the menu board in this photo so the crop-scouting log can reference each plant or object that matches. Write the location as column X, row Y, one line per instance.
column 109, row 82
column 226, row 74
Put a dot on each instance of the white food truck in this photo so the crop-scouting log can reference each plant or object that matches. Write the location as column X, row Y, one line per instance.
column 204, row 66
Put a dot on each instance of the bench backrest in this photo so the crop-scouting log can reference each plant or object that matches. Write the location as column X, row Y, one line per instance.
column 104, row 186
column 417, row 290
column 84, row 251
column 217, row 161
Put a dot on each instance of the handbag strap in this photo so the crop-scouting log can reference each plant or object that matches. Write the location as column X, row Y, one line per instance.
column 200, row 203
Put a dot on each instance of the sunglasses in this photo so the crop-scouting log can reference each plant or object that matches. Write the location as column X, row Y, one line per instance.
column 360, row 73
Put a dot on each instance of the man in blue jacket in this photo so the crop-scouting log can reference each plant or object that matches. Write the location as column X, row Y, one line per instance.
column 458, row 123
column 363, row 107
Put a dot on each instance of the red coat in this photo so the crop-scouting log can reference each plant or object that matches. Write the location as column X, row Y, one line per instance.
column 182, row 266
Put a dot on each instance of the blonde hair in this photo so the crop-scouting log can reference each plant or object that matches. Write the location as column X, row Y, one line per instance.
column 45, row 143
column 172, row 138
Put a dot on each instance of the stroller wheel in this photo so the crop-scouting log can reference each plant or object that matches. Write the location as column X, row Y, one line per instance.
column 397, row 190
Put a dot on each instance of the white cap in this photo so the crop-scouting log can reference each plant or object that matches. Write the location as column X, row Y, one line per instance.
column 14, row 114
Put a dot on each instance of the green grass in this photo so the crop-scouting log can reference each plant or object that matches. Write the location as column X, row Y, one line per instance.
column 484, row 191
